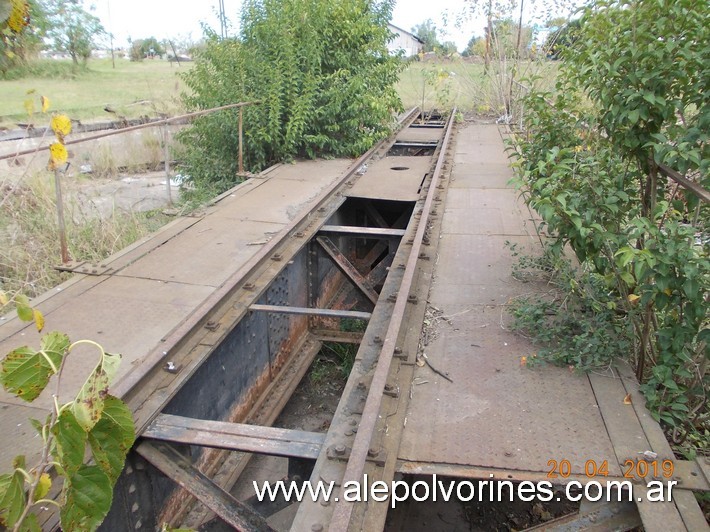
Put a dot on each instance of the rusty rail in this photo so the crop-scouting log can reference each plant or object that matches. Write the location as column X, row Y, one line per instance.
column 358, row 455
column 133, row 378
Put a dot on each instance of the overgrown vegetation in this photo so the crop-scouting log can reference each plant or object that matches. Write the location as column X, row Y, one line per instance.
column 29, row 247
column 93, row 420
column 632, row 96
column 322, row 75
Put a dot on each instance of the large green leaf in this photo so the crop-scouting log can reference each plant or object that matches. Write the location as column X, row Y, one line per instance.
column 89, row 403
column 12, row 498
column 30, row 524
column 70, row 440
column 112, row 437
column 26, row 372
column 88, row 499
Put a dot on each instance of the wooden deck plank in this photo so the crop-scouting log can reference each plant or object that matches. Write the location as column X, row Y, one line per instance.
column 628, row 439
column 236, row 436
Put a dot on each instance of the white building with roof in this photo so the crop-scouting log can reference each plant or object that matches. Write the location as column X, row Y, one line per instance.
column 405, row 41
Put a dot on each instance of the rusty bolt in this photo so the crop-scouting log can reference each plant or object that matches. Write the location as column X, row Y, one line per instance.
column 360, row 385
column 389, row 387
column 339, row 449
column 298, row 234
column 412, row 298
column 276, row 257
column 372, row 452
column 378, row 340
column 397, row 350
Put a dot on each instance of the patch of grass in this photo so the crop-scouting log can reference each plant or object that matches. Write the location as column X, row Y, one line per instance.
column 132, row 89
column 29, row 242
column 334, row 362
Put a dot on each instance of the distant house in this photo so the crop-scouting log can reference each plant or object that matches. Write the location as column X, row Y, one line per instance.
column 404, row 40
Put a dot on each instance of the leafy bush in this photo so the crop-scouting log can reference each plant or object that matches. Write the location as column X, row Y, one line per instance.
column 321, row 72
column 632, row 95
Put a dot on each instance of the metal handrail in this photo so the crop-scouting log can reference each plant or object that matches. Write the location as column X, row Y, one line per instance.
column 132, row 128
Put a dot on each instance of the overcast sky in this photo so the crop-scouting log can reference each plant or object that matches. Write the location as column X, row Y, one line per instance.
column 166, row 19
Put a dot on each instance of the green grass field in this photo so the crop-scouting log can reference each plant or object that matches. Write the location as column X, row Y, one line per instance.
column 448, row 83
column 441, row 84
column 85, row 96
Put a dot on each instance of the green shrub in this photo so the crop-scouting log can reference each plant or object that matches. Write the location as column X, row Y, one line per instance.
column 321, row 72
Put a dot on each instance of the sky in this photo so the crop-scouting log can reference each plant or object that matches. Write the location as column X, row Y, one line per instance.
column 164, row 19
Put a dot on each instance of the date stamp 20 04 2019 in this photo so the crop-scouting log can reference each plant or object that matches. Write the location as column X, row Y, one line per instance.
column 631, row 469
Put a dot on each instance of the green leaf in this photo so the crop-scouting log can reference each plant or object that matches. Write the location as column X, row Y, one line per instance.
column 55, row 342
column 112, row 437
column 89, row 402
column 12, row 498
column 88, row 499
column 25, row 313
column 26, row 372
column 30, row 524
column 71, row 441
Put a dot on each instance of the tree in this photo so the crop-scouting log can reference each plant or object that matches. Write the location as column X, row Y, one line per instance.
column 426, row 32
column 321, row 72
column 565, row 37
column 14, row 19
column 146, row 48
column 71, row 28
column 476, row 47
column 632, row 100
column 507, row 41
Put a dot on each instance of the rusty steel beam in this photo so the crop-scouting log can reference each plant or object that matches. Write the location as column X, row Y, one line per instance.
column 137, row 376
column 345, row 266
column 364, row 232
column 343, row 510
column 236, row 436
column 342, row 337
column 171, row 463
column 374, row 214
column 322, row 312
column 686, row 183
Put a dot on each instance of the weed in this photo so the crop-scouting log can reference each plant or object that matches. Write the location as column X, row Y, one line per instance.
column 334, row 362
column 576, row 323
column 29, row 246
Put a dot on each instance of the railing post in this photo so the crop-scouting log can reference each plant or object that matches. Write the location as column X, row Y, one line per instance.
column 241, row 145
column 166, row 140
column 60, row 216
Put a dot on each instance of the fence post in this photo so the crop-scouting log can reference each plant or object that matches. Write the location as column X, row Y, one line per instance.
column 166, row 141
column 60, row 216
column 241, row 146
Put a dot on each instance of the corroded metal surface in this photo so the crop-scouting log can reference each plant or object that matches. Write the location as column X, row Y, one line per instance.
column 152, row 289
column 496, row 413
column 395, row 178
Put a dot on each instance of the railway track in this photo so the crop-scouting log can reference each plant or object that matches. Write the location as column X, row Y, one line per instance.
column 359, row 248
column 220, row 316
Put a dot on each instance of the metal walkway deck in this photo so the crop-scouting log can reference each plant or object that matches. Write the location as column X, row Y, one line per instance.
column 499, row 418
column 132, row 301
